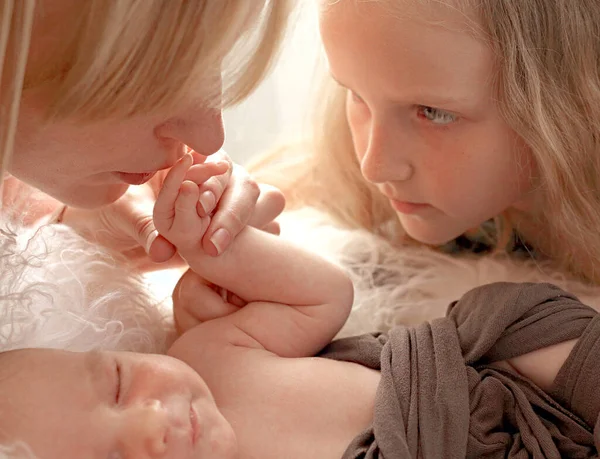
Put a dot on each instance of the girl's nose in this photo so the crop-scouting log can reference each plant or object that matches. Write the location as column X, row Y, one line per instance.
column 384, row 159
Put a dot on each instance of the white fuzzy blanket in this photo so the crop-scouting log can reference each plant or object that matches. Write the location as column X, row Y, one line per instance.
column 58, row 290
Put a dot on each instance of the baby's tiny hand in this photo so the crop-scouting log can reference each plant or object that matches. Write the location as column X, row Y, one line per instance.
column 177, row 212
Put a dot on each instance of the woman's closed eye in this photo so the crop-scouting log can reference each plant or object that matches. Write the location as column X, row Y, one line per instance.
column 436, row 115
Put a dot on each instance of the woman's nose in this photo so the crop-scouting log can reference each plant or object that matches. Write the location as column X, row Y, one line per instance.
column 200, row 128
column 385, row 158
column 145, row 429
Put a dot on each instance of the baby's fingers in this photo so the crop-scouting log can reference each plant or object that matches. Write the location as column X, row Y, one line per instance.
column 167, row 196
column 206, row 173
column 188, row 227
column 200, row 173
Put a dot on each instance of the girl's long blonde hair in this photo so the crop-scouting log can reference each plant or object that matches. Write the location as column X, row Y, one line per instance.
column 129, row 57
column 548, row 84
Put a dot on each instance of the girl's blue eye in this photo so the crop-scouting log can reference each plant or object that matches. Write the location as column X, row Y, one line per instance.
column 437, row 116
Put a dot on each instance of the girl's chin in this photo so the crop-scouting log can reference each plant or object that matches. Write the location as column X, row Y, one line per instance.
column 429, row 234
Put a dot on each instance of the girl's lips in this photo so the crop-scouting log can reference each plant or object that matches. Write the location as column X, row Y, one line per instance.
column 135, row 179
column 408, row 207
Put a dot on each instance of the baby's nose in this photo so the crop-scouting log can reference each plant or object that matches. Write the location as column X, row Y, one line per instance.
column 145, row 429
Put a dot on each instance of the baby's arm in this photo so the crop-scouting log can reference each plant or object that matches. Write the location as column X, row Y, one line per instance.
column 542, row 366
column 297, row 301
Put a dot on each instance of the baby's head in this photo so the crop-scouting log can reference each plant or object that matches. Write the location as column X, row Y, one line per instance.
column 460, row 111
column 109, row 405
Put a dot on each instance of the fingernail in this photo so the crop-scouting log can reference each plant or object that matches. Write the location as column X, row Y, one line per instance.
column 220, row 239
column 150, row 241
column 186, row 157
column 207, row 201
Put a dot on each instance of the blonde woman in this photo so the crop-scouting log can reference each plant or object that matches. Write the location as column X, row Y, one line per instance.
column 462, row 125
column 100, row 95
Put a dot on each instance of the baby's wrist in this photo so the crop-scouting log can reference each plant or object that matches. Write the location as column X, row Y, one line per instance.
column 194, row 256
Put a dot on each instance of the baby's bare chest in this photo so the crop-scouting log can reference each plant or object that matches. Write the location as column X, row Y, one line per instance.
column 299, row 407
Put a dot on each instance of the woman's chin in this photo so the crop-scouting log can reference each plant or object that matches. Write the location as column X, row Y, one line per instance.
column 93, row 196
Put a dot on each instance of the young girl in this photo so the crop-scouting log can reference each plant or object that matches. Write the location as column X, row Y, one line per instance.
column 463, row 125
column 423, row 392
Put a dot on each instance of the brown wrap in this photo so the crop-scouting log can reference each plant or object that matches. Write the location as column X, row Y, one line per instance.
column 441, row 396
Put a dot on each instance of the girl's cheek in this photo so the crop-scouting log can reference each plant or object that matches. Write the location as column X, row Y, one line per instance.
column 359, row 129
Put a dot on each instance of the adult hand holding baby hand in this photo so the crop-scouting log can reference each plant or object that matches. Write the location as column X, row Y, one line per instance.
column 182, row 218
column 127, row 225
column 235, row 200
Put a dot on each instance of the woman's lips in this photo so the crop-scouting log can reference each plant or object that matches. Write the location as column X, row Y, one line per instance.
column 408, row 207
column 135, row 179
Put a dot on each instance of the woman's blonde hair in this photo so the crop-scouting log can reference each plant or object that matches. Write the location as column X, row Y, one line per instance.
column 129, row 57
column 548, row 90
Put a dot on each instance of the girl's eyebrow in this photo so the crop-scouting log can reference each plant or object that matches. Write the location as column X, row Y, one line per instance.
column 444, row 100
column 428, row 98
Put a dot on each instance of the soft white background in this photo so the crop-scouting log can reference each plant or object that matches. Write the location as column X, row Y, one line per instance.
column 278, row 110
